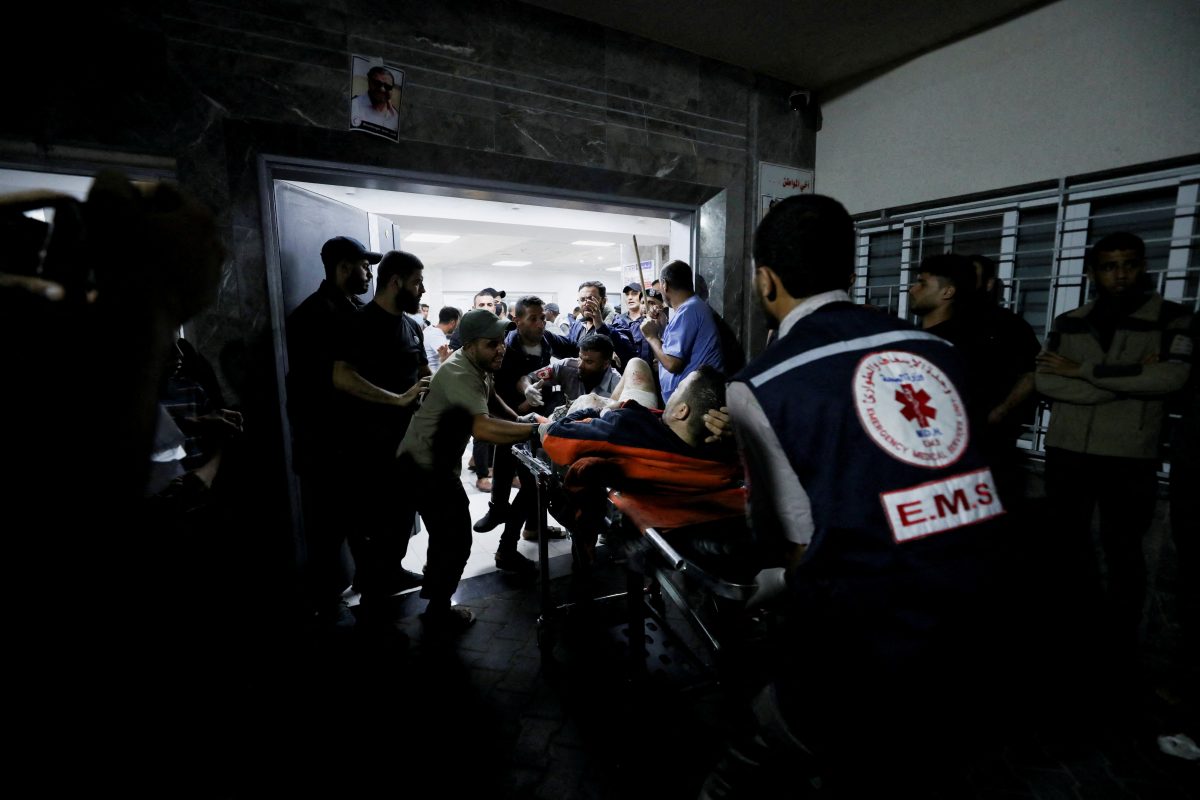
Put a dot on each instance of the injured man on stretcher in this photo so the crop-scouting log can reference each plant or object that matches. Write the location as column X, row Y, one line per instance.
column 681, row 454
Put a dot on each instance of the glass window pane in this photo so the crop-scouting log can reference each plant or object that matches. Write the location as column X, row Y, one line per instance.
column 883, row 257
column 981, row 235
column 1150, row 215
column 1035, row 243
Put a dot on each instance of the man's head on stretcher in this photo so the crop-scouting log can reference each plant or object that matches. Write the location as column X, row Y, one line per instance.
column 647, row 452
column 700, row 392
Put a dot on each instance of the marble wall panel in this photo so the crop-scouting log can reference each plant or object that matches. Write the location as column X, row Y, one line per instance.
column 551, row 136
column 233, row 31
column 641, row 70
column 462, row 30
column 724, row 92
column 321, row 16
column 556, row 48
column 422, row 123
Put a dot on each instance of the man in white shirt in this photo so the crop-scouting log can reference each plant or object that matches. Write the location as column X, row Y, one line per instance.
column 437, row 346
column 375, row 107
column 556, row 322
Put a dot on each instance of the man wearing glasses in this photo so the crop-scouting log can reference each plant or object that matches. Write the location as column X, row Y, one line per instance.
column 375, row 107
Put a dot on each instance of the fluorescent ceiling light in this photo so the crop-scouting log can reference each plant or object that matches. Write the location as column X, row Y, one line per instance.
column 612, row 269
column 586, row 243
column 433, row 238
column 511, row 263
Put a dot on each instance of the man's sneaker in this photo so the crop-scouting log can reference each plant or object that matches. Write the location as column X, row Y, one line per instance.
column 454, row 619
column 484, row 485
column 410, row 579
column 1180, row 746
column 335, row 616
column 552, row 532
column 492, row 519
column 515, row 562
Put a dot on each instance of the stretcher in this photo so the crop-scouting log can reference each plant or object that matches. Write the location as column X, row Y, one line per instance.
column 694, row 552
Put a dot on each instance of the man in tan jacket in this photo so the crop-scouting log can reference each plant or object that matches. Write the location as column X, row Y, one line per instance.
column 1109, row 366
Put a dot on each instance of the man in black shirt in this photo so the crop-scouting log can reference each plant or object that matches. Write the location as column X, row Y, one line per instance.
column 999, row 357
column 1015, row 348
column 318, row 451
column 381, row 371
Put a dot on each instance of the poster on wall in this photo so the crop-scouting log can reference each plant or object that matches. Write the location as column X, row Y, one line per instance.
column 375, row 90
column 629, row 274
column 776, row 182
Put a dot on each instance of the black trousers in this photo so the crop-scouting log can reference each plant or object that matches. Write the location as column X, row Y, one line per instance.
column 1125, row 491
column 482, row 452
column 380, row 532
column 1185, row 511
column 326, row 568
column 523, row 508
column 439, row 497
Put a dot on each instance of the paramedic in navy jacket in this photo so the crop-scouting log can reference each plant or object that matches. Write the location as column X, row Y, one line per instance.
column 864, row 476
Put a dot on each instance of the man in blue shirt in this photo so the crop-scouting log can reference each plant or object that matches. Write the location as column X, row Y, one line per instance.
column 596, row 317
column 690, row 339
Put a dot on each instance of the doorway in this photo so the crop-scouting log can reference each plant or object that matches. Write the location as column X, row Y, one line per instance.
column 519, row 239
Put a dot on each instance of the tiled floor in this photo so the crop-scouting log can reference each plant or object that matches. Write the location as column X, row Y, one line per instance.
column 485, row 715
column 258, row 709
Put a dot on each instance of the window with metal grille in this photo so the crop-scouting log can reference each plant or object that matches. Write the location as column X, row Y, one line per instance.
column 1038, row 239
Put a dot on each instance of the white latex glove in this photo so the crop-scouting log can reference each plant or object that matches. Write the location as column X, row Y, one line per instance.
column 771, row 583
column 527, row 418
column 533, row 394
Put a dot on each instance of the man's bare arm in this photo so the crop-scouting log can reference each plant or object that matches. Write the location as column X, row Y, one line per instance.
column 487, row 428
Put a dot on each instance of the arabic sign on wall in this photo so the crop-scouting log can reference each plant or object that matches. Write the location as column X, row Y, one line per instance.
column 776, row 182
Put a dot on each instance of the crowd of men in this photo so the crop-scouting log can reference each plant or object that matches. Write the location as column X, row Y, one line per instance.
column 381, row 397
column 881, row 458
column 878, row 458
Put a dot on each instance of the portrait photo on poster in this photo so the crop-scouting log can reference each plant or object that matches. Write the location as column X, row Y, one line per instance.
column 375, row 90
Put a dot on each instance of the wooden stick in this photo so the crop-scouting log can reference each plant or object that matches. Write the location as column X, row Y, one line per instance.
column 638, row 256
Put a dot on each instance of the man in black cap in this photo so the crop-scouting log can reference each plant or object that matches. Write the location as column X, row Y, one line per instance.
column 633, row 315
column 654, row 305
column 313, row 329
column 461, row 403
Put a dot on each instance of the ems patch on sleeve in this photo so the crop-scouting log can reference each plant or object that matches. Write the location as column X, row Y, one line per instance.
column 910, row 409
column 940, row 506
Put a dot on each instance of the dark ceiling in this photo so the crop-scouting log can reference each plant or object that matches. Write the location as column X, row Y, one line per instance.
column 813, row 44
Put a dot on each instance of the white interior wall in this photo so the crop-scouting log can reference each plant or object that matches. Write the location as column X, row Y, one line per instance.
column 1077, row 86
column 447, row 286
